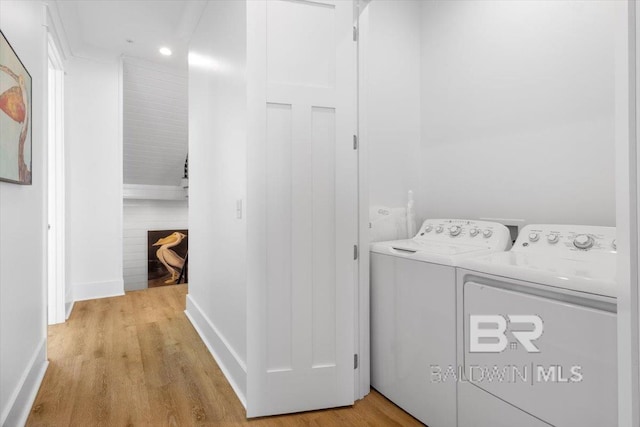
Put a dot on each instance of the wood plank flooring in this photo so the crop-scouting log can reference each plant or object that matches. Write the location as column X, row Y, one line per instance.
column 136, row 360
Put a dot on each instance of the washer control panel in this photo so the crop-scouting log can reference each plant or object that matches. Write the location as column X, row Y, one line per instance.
column 566, row 238
column 463, row 231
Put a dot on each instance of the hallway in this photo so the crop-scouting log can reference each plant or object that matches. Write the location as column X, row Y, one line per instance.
column 136, row 360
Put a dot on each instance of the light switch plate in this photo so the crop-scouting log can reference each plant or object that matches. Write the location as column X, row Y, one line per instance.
column 239, row 208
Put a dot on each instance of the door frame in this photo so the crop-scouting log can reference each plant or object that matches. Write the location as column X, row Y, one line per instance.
column 628, row 220
column 362, row 300
column 56, row 260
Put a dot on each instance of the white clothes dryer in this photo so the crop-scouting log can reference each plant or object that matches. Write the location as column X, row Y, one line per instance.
column 537, row 331
column 413, row 303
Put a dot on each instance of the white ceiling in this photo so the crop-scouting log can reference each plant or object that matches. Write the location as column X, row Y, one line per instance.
column 102, row 27
column 155, row 123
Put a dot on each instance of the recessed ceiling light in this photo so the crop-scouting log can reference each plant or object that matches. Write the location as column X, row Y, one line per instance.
column 165, row 51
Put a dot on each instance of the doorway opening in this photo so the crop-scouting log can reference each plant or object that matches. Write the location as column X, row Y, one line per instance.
column 58, row 309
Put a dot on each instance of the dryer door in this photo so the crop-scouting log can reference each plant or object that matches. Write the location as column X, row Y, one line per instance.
column 570, row 381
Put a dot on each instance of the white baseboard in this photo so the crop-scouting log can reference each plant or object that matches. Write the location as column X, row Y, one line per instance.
column 22, row 398
column 95, row 290
column 234, row 369
column 68, row 308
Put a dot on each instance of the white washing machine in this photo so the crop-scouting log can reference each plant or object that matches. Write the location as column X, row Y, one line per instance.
column 551, row 360
column 413, row 303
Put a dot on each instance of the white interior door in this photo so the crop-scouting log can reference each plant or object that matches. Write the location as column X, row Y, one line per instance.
column 302, row 205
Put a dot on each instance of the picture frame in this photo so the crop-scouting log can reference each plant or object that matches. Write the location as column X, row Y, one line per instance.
column 16, row 106
column 167, row 252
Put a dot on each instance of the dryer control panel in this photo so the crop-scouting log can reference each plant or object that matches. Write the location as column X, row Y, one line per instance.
column 556, row 239
column 465, row 231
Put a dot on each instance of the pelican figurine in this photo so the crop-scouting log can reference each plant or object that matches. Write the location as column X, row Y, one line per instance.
column 167, row 256
column 14, row 102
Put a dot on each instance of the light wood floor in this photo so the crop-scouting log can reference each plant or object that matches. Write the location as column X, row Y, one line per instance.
column 137, row 361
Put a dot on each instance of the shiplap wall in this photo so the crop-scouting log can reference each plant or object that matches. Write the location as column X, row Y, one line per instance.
column 139, row 217
column 155, row 123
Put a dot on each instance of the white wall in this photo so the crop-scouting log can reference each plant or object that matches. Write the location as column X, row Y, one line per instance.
column 216, row 303
column 23, row 232
column 141, row 216
column 390, row 98
column 94, row 178
column 518, row 110
column 155, row 122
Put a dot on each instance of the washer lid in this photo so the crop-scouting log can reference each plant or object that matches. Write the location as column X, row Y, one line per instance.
column 435, row 252
column 590, row 274
column 434, row 247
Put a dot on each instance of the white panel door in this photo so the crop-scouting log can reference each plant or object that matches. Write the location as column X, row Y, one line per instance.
column 302, row 205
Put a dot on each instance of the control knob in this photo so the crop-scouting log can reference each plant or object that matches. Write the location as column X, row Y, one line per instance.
column 454, row 230
column 534, row 237
column 553, row 238
column 474, row 232
column 583, row 241
column 439, row 229
column 614, row 245
column 487, row 233
column 428, row 228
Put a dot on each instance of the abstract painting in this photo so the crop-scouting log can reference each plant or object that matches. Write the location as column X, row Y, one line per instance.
column 167, row 257
column 15, row 117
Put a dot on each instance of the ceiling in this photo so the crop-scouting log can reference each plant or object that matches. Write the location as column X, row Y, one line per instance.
column 155, row 123
column 155, row 95
column 102, row 27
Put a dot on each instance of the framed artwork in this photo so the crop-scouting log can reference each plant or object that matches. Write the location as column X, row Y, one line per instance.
column 15, row 117
column 167, row 257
